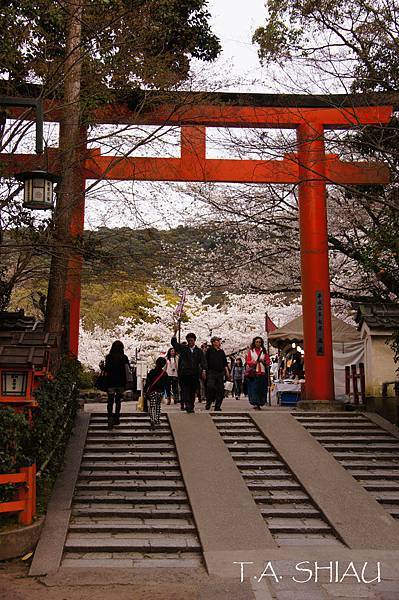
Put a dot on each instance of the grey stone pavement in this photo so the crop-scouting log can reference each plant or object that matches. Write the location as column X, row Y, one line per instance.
column 303, row 572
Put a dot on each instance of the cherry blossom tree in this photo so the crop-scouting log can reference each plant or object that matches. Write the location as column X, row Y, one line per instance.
column 236, row 321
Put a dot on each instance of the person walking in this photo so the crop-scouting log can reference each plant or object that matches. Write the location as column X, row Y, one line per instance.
column 116, row 370
column 216, row 370
column 192, row 366
column 201, row 391
column 154, row 389
column 257, row 373
column 172, row 386
column 237, row 374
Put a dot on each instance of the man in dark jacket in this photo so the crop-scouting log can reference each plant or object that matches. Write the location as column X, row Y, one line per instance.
column 217, row 370
column 191, row 368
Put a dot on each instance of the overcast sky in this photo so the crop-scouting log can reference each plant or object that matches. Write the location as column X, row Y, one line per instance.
column 234, row 22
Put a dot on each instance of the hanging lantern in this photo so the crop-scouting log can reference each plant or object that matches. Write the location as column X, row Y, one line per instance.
column 38, row 189
column 14, row 383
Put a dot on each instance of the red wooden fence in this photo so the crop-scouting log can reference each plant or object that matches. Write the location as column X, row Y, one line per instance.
column 25, row 502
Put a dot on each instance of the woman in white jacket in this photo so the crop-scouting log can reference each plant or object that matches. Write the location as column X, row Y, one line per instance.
column 172, row 364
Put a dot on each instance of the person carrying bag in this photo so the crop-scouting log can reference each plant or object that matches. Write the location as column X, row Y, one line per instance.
column 257, row 373
column 115, row 371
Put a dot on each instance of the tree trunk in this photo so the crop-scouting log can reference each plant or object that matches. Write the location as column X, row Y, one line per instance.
column 70, row 186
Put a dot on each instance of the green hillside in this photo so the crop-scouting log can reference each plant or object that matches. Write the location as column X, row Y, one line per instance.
column 119, row 265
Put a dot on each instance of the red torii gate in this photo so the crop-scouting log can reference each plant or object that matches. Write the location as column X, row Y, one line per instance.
column 310, row 167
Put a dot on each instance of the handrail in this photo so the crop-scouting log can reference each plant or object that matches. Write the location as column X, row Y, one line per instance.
column 25, row 503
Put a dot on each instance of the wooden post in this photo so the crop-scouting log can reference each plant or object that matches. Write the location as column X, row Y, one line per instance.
column 347, row 381
column 362, row 383
column 27, row 493
column 355, row 388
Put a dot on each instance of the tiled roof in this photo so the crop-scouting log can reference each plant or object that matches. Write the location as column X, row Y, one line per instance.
column 34, row 338
column 18, row 321
column 23, row 356
column 378, row 316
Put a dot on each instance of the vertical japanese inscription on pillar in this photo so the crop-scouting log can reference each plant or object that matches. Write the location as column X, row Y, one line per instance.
column 319, row 324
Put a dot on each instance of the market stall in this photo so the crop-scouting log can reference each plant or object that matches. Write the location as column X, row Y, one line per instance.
column 348, row 348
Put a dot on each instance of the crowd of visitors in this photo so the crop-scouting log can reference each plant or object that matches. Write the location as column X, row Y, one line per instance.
column 187, row 372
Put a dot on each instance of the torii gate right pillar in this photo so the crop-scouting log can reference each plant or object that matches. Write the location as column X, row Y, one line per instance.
column 316, row 304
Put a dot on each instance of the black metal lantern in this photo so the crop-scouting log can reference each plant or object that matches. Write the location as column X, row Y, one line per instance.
column 38, row 189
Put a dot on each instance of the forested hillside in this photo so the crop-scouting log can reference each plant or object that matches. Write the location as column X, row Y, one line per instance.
column 119, row 265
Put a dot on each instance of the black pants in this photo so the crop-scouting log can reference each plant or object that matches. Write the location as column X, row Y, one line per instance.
column 188, row 388
column 172, row 387
column 238, row 388
column 117, row 398
column 215, row 389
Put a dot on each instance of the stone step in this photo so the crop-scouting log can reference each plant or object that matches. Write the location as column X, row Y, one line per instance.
column 128, row 474
column 328, row 415
column 374, row 441
column 169, row 544
column 159, row 447
column 132, row 498
column 150, row 559
column 259, row 464
column 273, row 485
column 365, row 447
column 170, row 465
column 283, row 511
column 243, row 439
column 238, row 447
column 124, row 527
column 132, row 485
column 377, row 475
column 119, row 440
column 334, row 422
column 238, row 431
column 349, row 434
column 102, row 423
column 179, row 512
column 374, row 458
column 129, row 433
column 364, row 464
column 229, row 422
column 387, row 497
column 277, row 525
column 143, row 426
column 110, row 456
column 265, row 474
column 351, row 425
column 136, row 416
column 386, row 486
column 278, row 497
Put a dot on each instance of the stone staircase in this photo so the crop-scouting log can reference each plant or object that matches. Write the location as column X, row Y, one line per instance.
column 367, row 451
column 130, row 506
column 289, row 512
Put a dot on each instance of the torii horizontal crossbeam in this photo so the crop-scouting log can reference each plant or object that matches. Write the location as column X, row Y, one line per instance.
column 210, row 170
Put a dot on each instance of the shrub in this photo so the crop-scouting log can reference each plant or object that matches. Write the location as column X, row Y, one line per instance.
column 44, row 439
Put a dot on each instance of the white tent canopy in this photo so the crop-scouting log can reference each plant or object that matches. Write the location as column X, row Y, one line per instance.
column 348, row 348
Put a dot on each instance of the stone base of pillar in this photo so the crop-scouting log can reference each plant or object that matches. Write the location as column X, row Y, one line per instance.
column 320, row 405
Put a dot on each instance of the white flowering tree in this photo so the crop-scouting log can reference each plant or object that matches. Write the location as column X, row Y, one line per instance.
column 236, row 321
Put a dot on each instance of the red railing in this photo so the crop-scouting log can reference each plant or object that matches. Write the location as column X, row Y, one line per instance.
column 25, row 503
